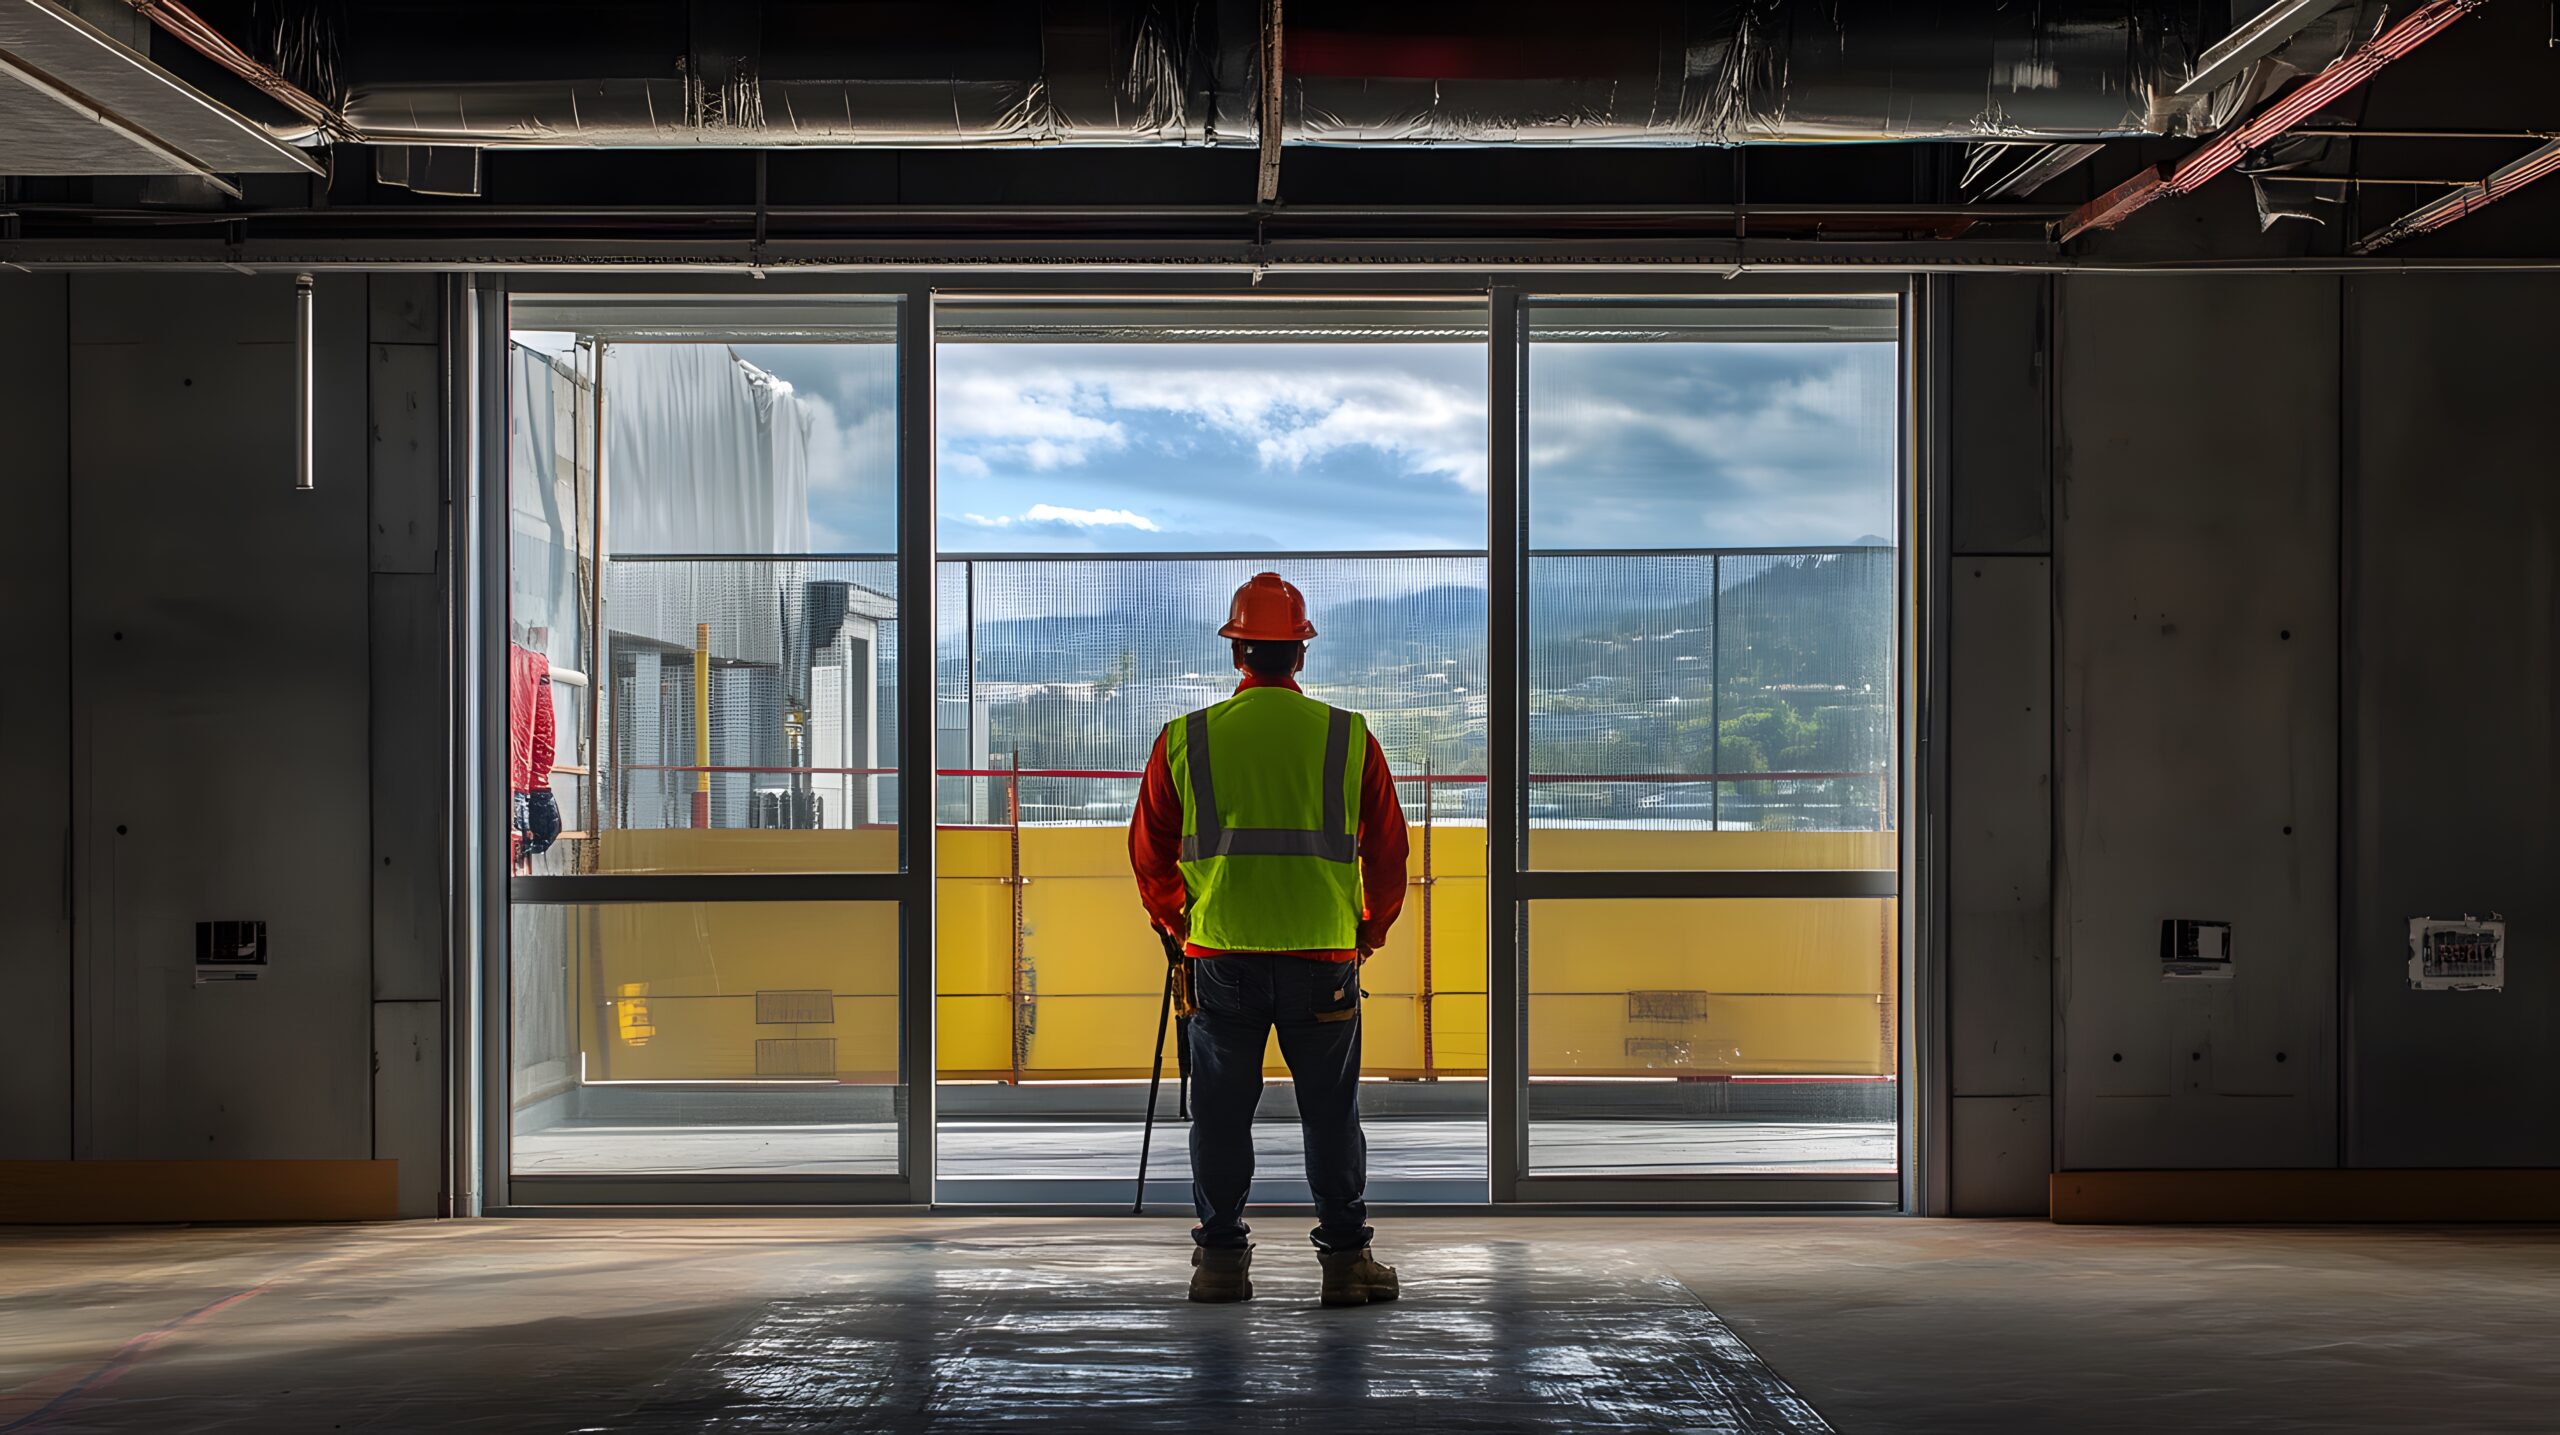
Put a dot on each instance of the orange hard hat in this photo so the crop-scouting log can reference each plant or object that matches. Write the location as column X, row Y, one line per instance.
column 1268, row 608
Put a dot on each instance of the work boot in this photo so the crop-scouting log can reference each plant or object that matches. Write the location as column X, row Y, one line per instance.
column 1221, row 1275
column 1352, row 1278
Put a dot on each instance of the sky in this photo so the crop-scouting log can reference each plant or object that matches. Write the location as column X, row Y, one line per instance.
column 1222, row 447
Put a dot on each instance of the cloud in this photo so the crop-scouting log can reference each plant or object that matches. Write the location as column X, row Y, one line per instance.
column 1044, row 406
column 853, row 469
column 1049, row 514
column 984, row 418
column 1235, row 447
column 845, row 397
column 1710, row 444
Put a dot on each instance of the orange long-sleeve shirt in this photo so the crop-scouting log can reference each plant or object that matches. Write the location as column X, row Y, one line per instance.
column 1155, row 848
column 532, row 745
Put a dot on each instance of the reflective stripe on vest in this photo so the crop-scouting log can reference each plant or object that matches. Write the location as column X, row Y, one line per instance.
column 1213, row 838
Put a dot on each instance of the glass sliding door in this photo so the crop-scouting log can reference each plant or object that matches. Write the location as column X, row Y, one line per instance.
column 838, row 631
column 712, row 886
column 1110, row 472
column 1709, row 725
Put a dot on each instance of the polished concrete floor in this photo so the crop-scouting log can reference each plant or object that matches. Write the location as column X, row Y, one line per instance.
column 1553, row 1323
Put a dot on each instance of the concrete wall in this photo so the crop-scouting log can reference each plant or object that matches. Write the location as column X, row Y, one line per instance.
column 2198, row 586
column 35, row 721
column 1999, row 799
column 2300, row 598
column 220, row 690
column 2453, row 713
column 2251, row 617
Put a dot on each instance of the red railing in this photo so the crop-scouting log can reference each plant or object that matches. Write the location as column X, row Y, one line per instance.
column 1475, row 778
column 1425, row 880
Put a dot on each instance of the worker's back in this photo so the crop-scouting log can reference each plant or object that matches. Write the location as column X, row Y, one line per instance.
column 1270, row 783
column 1247, row 844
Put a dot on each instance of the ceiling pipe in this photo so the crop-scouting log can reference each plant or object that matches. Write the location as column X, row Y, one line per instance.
column 1267, row 186
column 1092, row 73
column 2445, row 209
column 191, row 30
column 305, row 360
column 2269, row 31
column 2196, row 170
column 2042, row 168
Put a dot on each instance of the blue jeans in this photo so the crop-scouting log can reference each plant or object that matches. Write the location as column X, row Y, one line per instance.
column 1316, row 1007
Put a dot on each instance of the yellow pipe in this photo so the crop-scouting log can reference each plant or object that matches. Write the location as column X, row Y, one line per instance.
column 702, row 724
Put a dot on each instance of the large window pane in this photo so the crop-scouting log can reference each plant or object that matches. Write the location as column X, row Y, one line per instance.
column 1712, row 1036
column 712, row 1037
column 1712, row 617
column 702, row 553
column 1110, row 472
column 1712, row 501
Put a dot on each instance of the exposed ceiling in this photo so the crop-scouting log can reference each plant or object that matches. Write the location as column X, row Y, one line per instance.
column 780, row 133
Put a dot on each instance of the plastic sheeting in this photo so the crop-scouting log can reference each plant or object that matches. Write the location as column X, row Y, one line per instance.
column 1110, row 72
column 704, row 453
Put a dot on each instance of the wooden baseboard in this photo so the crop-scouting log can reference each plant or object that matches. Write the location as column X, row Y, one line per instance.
column 2170, row 1197
column 146, row 1192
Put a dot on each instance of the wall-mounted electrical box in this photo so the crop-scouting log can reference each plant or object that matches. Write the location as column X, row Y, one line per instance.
column 230, row 951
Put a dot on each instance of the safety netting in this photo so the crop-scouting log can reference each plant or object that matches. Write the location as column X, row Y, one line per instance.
column 797, row 692
column 1069, row 667
column 1667, row 683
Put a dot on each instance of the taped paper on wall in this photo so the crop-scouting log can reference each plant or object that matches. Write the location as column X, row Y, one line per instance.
column 2457, row 956
column 2193, row 949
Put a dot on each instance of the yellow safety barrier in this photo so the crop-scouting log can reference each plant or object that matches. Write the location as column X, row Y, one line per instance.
column 1046, row 970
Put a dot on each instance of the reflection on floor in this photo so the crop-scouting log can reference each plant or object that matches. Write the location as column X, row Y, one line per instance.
column 1107, row 1150
column 982, row 1326
column 1531, row 1323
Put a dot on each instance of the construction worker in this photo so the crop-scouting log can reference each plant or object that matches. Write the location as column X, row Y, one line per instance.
column 1269, row 844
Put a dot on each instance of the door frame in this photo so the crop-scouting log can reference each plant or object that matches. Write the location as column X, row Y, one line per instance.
column 484, row 890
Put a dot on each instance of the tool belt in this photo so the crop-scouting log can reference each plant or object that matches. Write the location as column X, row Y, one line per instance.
column 1180, row 965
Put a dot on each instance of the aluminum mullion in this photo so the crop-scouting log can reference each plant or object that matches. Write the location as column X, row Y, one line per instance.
column 715, row 887
column 1776, row 1188
column 1925, row 1037
column 762, row 1192
column 917, row 638
column 1506, row 540
column 487, row 649
column 1555, row 886
column 464, row 947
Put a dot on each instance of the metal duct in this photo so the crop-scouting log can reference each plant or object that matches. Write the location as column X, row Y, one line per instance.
column 1185, row 72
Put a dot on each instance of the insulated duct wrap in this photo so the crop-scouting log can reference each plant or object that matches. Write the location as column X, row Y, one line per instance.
column 1159, row 72
column 802, row 73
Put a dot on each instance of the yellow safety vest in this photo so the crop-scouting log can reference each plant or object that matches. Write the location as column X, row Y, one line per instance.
column 1270, row 827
